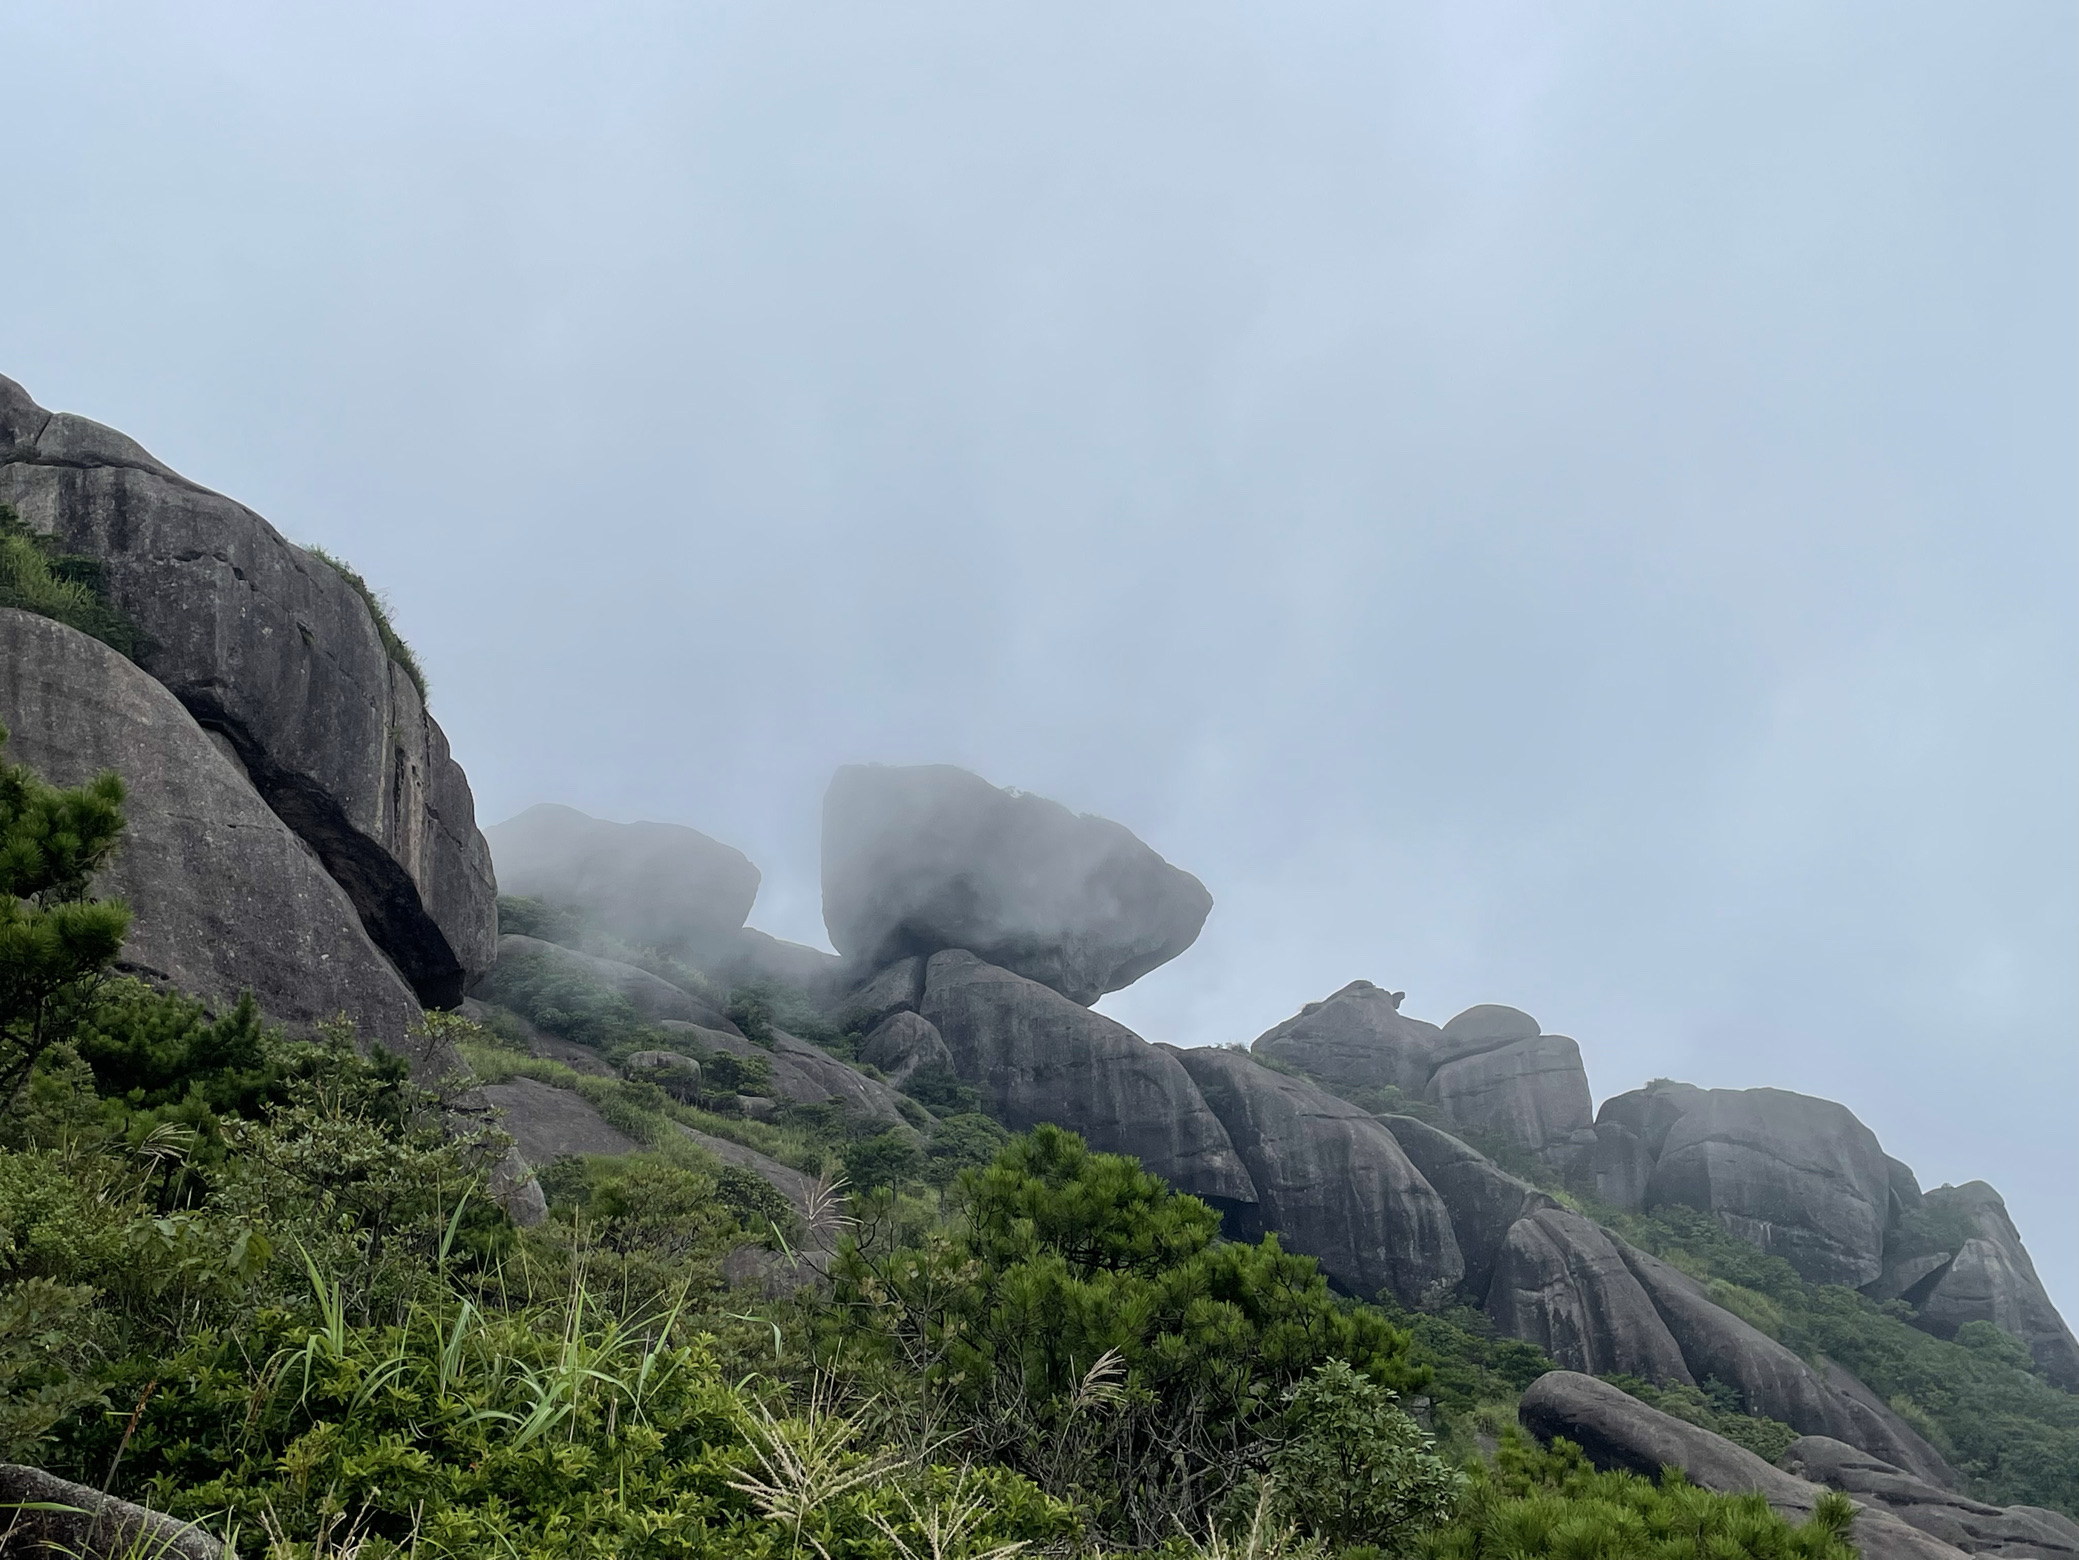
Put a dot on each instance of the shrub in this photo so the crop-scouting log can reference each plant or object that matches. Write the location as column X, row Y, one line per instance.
column 36, row 577
column 1354, row 1468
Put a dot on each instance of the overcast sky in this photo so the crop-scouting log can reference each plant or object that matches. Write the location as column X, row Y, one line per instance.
column 1564, row 505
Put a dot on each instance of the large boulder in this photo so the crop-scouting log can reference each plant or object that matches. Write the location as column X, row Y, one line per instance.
column 901, row 1044
column 224, row 897
column 1331, row 1181
column 1617, row 1431
column 1484, row 1200
column 273, row 648
column 1799, row 1177
column 1488, row 1071
column 1560, row 1283
column 657, row 884
column 1971, row 1525
column 1992, row 1279
column 1355, row 1040
column 547, row 1123
column 1772, row 1380
column 918, row 860
column 1037, row 1056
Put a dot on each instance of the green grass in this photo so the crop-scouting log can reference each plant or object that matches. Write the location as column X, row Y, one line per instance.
column 379, row 610
column 36, row 577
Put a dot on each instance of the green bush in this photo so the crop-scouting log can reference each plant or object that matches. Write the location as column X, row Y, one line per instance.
column 1536, row 1502
column 36, row 577
column 1354, row 1469
column 1717, row 1408
column 378, row 610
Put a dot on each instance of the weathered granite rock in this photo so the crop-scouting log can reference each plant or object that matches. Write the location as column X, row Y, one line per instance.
column 1972, row 1526
column 917, row 860
column 1531, row 1092
column 1484, row 1027
column 1037, row 1056
column 1876, row 1426
column 1799, row 1177
column 790, row 1183
column 1618, row 1431
column 223, row 896
column 1357, row 1039
column 547, row 1123
column 896, row 989
column 653, row 997
column 50, row 1516
column 1905, row 1188
column 657, row 884
column 514, row 1188
column 804, row 1073
column 677, row 1074
column 1484, row 1200
column 1620, row 1166
column 903, row 1042
column 1331, row 1181
column 539, row 1042
column 1560, row 1283
column 270, row 646
column 1771, row 1380
column 1651, row 1113
column 1992, row 1279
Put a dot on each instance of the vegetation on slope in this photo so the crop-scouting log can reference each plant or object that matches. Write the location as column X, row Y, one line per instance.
column 378, row 609
column 36, row 577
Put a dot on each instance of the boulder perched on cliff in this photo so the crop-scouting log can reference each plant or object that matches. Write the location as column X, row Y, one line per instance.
column 917, row 860
column 273, row 648
column 1560, row 1283
column 1037, row 1056
column 1616, row 1430
column 224, row 898
column 1971, row 1525
column 1992, row 1279
column 1331, row 1181
column 657, row 884
column 1488, row 1071
column 1799, row 1177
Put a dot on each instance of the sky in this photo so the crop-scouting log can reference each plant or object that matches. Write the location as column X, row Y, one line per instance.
column 1565, row 505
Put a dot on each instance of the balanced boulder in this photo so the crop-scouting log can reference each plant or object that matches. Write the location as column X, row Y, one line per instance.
column 276, row 650
column 918, row 860
column 224, row 897
column 1355, row 1040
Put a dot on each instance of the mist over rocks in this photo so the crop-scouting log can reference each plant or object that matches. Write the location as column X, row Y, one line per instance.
column 224, row 897
column 272, row 648
column 921, row 859
column 660, row 885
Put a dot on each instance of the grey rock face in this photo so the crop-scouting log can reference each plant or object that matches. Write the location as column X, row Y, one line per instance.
column 1651, row 1113
column 657, row 884
column 48, row 1515
column 1560, row 1283
column 1992, row 1279
column 1488, row 1071
column 804, row 1073
column 896, row 989
column 1532, row 1092
column 1799, row 1177
column 547, row 1123
column 1972, row 1526
column 1877, row 1428
column 1771, row 1380
column 1331, row 1181
column 653, row 997
column 1621, row 1167
column 1357, row 1039
column 1618, row 1431
column 223, row 896
column 1037, row 1056
column 918, row 860
column 790, row 1183
column 514, row 1188
column 1484, row 1200
column 903, row 1042
column 268, row 645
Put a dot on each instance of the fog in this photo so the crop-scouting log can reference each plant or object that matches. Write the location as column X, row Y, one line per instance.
column 1567, row 506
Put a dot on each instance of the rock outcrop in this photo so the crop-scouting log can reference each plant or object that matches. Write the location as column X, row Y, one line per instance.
column 271, row 647
column 1484, row 1201
column 660, row 885
column 1560, row 1283
column 1992, row 1279
column 1330, row 1181
column 547, row 1123
column 1971, row 1525
column 919, row 860
column 224, row 897
column 651, row 996
column 47, row 1515
column 901, row 1044
column 1037, row 1056
column 1618, row 1431
column 1799, row 1177
column 802, row 1072
column 1488, row 1071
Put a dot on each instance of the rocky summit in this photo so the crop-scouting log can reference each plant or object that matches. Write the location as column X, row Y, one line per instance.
column 1740, row 1283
